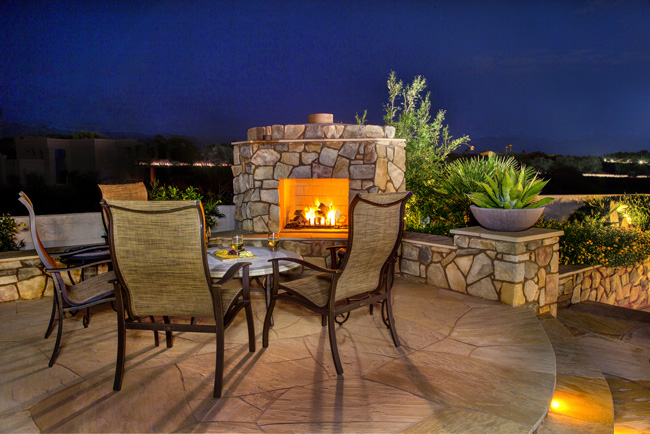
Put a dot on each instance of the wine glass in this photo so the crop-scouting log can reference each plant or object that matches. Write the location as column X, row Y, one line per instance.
column 274, row 240
column 237, row 243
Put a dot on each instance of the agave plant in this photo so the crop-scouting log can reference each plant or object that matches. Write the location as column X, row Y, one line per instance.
column 510, row 189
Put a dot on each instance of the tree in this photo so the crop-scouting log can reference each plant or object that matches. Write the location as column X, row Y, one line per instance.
column 428, row 141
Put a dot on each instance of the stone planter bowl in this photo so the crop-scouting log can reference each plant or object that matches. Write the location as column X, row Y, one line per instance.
column 506, row 220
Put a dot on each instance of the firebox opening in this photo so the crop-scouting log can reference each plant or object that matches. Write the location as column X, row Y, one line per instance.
column 314, row 204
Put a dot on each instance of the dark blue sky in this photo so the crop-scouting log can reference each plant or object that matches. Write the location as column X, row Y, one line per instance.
column 532, row 70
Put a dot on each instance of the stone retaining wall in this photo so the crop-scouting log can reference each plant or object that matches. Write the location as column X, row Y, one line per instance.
column 618, row 286
column 22, row 277
column 516, row 269
column 496, row 270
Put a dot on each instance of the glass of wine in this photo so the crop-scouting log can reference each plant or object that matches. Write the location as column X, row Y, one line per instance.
column 237, row 243
column 274, row 240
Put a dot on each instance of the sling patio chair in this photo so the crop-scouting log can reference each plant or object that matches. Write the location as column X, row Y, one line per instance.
column 364, row 275
column 68, row 297
column 130, row 191
column 159, row 257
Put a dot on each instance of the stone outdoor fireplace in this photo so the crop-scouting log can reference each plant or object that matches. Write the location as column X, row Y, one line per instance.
column 294, row 178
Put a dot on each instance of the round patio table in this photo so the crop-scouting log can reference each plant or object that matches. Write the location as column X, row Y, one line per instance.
column 260, row 266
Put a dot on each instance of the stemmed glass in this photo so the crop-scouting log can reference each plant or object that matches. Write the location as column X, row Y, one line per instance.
column 237, row 243
column 274, row 240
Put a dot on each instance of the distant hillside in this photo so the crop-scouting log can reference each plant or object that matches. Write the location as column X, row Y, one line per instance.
column 11, row 129
column 595, row 146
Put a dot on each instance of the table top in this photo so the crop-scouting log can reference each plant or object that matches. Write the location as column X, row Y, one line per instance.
column 260, row 266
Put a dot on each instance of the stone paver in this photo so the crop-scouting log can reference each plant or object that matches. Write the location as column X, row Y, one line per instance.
column 465, row 365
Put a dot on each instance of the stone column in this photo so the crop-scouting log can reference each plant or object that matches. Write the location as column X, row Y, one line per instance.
column 524, row 264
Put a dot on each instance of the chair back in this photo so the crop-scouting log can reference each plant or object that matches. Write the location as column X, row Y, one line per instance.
column 158, row 253
column 43, row 255
column 376, row 229
column 132, row 191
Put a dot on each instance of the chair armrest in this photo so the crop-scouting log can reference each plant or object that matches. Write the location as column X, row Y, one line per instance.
column 232, row 271
column 342, row 246
column 84, row 250
column 275, row 261
column 78, row 267
column 334, row 250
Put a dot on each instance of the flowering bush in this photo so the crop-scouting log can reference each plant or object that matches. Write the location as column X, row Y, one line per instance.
column 8, row 231
column 584, row 243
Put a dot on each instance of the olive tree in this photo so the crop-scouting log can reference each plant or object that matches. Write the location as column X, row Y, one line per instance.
column 428, row 141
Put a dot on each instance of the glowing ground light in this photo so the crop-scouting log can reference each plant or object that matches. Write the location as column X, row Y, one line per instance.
column 556, row 404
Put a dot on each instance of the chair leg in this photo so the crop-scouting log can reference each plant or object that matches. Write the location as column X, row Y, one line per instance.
column 218, row 369
column 121, row 348
column 267, row 323
column 251, row 327
column 156, row 341
column 334, row 347
column 59, row 334
column 168, row 334
column 50, row 326
column 391, row 320
column 323, row 320
column 86, row 318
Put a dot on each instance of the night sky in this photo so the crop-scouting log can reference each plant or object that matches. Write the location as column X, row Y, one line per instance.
column 571, row 77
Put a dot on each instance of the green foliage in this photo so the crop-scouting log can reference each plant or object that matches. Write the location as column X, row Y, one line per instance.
column 221, row 153
column 585, row 243
column 8, row 232
column 428, row 141
column 463, row 176
column 624, row 210
column 435, row 228
column 510, row 189
column 176, row 148
column 638, row 209
column 361, row 120
column 159, row 191
column 88, row 135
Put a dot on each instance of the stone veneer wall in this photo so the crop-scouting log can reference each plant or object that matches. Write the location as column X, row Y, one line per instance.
column 368, row 155
column 618, row 286
column 22, row 277
column 518, row 268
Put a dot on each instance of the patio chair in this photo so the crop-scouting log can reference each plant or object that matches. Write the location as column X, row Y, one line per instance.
column 159, row 257
column 68, row 297
column 364, row 275
column 131, row 191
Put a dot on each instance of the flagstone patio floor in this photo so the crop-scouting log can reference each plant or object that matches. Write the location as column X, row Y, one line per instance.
column 465, row 365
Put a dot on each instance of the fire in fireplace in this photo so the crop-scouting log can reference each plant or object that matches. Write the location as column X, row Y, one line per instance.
column 314, row 203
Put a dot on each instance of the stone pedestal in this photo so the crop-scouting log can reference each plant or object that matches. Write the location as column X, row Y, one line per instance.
column 523, row 265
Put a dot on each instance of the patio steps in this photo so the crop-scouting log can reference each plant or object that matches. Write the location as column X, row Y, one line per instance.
column 603, row 371
column 582, row 402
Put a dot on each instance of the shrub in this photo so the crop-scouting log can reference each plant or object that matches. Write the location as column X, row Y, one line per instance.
column 631, row 209
column 463, row 176
column 159, row 191
column 510, row 188
column 428, row 141
column 8, row 231
column 585, row 243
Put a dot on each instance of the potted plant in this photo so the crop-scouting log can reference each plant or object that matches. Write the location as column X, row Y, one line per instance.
column 507, row 200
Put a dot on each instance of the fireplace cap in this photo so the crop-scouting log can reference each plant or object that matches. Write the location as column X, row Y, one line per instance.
column 320, row 118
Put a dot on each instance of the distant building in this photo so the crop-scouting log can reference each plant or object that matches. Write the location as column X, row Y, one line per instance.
column 53, row 159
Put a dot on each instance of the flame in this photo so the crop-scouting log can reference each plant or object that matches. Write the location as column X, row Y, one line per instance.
column 311, row 214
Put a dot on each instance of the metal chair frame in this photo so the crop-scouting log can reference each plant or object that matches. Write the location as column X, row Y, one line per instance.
column 61, row 303
column 334, row 308
column 127, row 320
